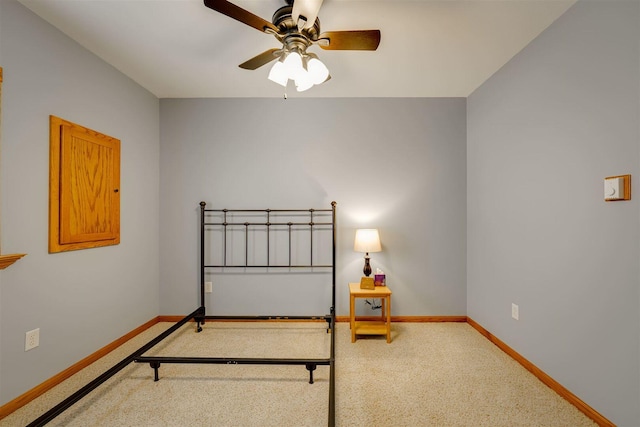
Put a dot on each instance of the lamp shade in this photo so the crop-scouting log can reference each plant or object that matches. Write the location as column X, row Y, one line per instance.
column 367, row 240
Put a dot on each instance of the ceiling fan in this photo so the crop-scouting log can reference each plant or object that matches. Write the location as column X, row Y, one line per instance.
column 296, row 26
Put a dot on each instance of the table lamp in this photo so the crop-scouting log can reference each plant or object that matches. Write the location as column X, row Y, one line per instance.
column 367, row 240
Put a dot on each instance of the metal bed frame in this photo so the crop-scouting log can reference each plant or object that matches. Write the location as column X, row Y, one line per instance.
column 200, row 316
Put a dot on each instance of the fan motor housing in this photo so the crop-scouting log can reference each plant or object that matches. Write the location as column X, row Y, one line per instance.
column 282, row 18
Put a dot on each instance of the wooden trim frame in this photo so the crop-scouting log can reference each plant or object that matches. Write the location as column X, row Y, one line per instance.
column 30, row 395
column 542, row 376
column 626, row 190
column 6, row 260
column 39, row 390
column 408, row 319
column 84, row 188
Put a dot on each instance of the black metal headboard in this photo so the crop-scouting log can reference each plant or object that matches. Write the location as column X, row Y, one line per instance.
column 231, row 223
column 270, row 222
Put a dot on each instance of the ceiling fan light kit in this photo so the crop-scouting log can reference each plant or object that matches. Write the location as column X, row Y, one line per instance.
column 304, row 70
column 297, row 27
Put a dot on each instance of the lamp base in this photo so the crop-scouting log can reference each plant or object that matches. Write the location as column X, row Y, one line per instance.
column 367, row 267
column 367, row 283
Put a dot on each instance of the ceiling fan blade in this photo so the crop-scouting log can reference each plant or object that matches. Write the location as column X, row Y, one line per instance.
column 260, row 60
column 350, row 40
column 307, row 10
column 240, row 14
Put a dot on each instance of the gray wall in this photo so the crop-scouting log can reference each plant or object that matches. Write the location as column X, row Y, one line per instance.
column 394, row 164
column 515, row 216
column 543, row 132
column 0, row 205
column 85, row 299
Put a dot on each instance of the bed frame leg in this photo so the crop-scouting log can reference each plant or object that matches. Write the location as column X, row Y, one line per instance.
column 328, row 320
column 199, row 318
column 155, row 366
column 199, row 322
column 311, row 367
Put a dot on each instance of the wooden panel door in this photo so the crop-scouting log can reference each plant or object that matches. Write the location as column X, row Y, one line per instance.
column 84, row 187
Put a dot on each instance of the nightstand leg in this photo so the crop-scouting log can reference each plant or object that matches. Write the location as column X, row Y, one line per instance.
column 352, row 315
column 388, row 318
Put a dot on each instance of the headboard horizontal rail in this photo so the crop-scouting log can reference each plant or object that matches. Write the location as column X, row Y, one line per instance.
column 268, row 238
column 268, row 210
column 269, row 224
column 268, row 266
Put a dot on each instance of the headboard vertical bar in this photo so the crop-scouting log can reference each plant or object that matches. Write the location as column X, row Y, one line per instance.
column 202, row 245
column 224, row 237
column 268, row 235
column 311, row 234
column 289, row 224
column 246, row 244
column 332, row 370
column 333, row 254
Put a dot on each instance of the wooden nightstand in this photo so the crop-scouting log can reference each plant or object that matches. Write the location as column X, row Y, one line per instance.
column 375, row 327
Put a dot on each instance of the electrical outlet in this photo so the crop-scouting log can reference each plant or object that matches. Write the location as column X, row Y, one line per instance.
column 208, row 287
column 515, row 311
column 32, row 339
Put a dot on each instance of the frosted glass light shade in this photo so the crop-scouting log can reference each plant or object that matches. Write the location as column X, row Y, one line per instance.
column 293, row 64
column 304, row 81
column 317, row 70
column 278, row 74
column 367, row 240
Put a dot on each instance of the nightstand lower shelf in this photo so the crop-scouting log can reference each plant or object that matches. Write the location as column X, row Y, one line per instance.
column 370, row 328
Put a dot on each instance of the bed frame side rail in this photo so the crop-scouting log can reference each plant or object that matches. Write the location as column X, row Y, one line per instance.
column 69, row 401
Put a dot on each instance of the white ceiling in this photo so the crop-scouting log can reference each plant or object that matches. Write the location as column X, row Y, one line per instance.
column 182, row 49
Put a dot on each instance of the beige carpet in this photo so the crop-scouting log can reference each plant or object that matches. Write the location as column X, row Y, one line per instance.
column 432, row 374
